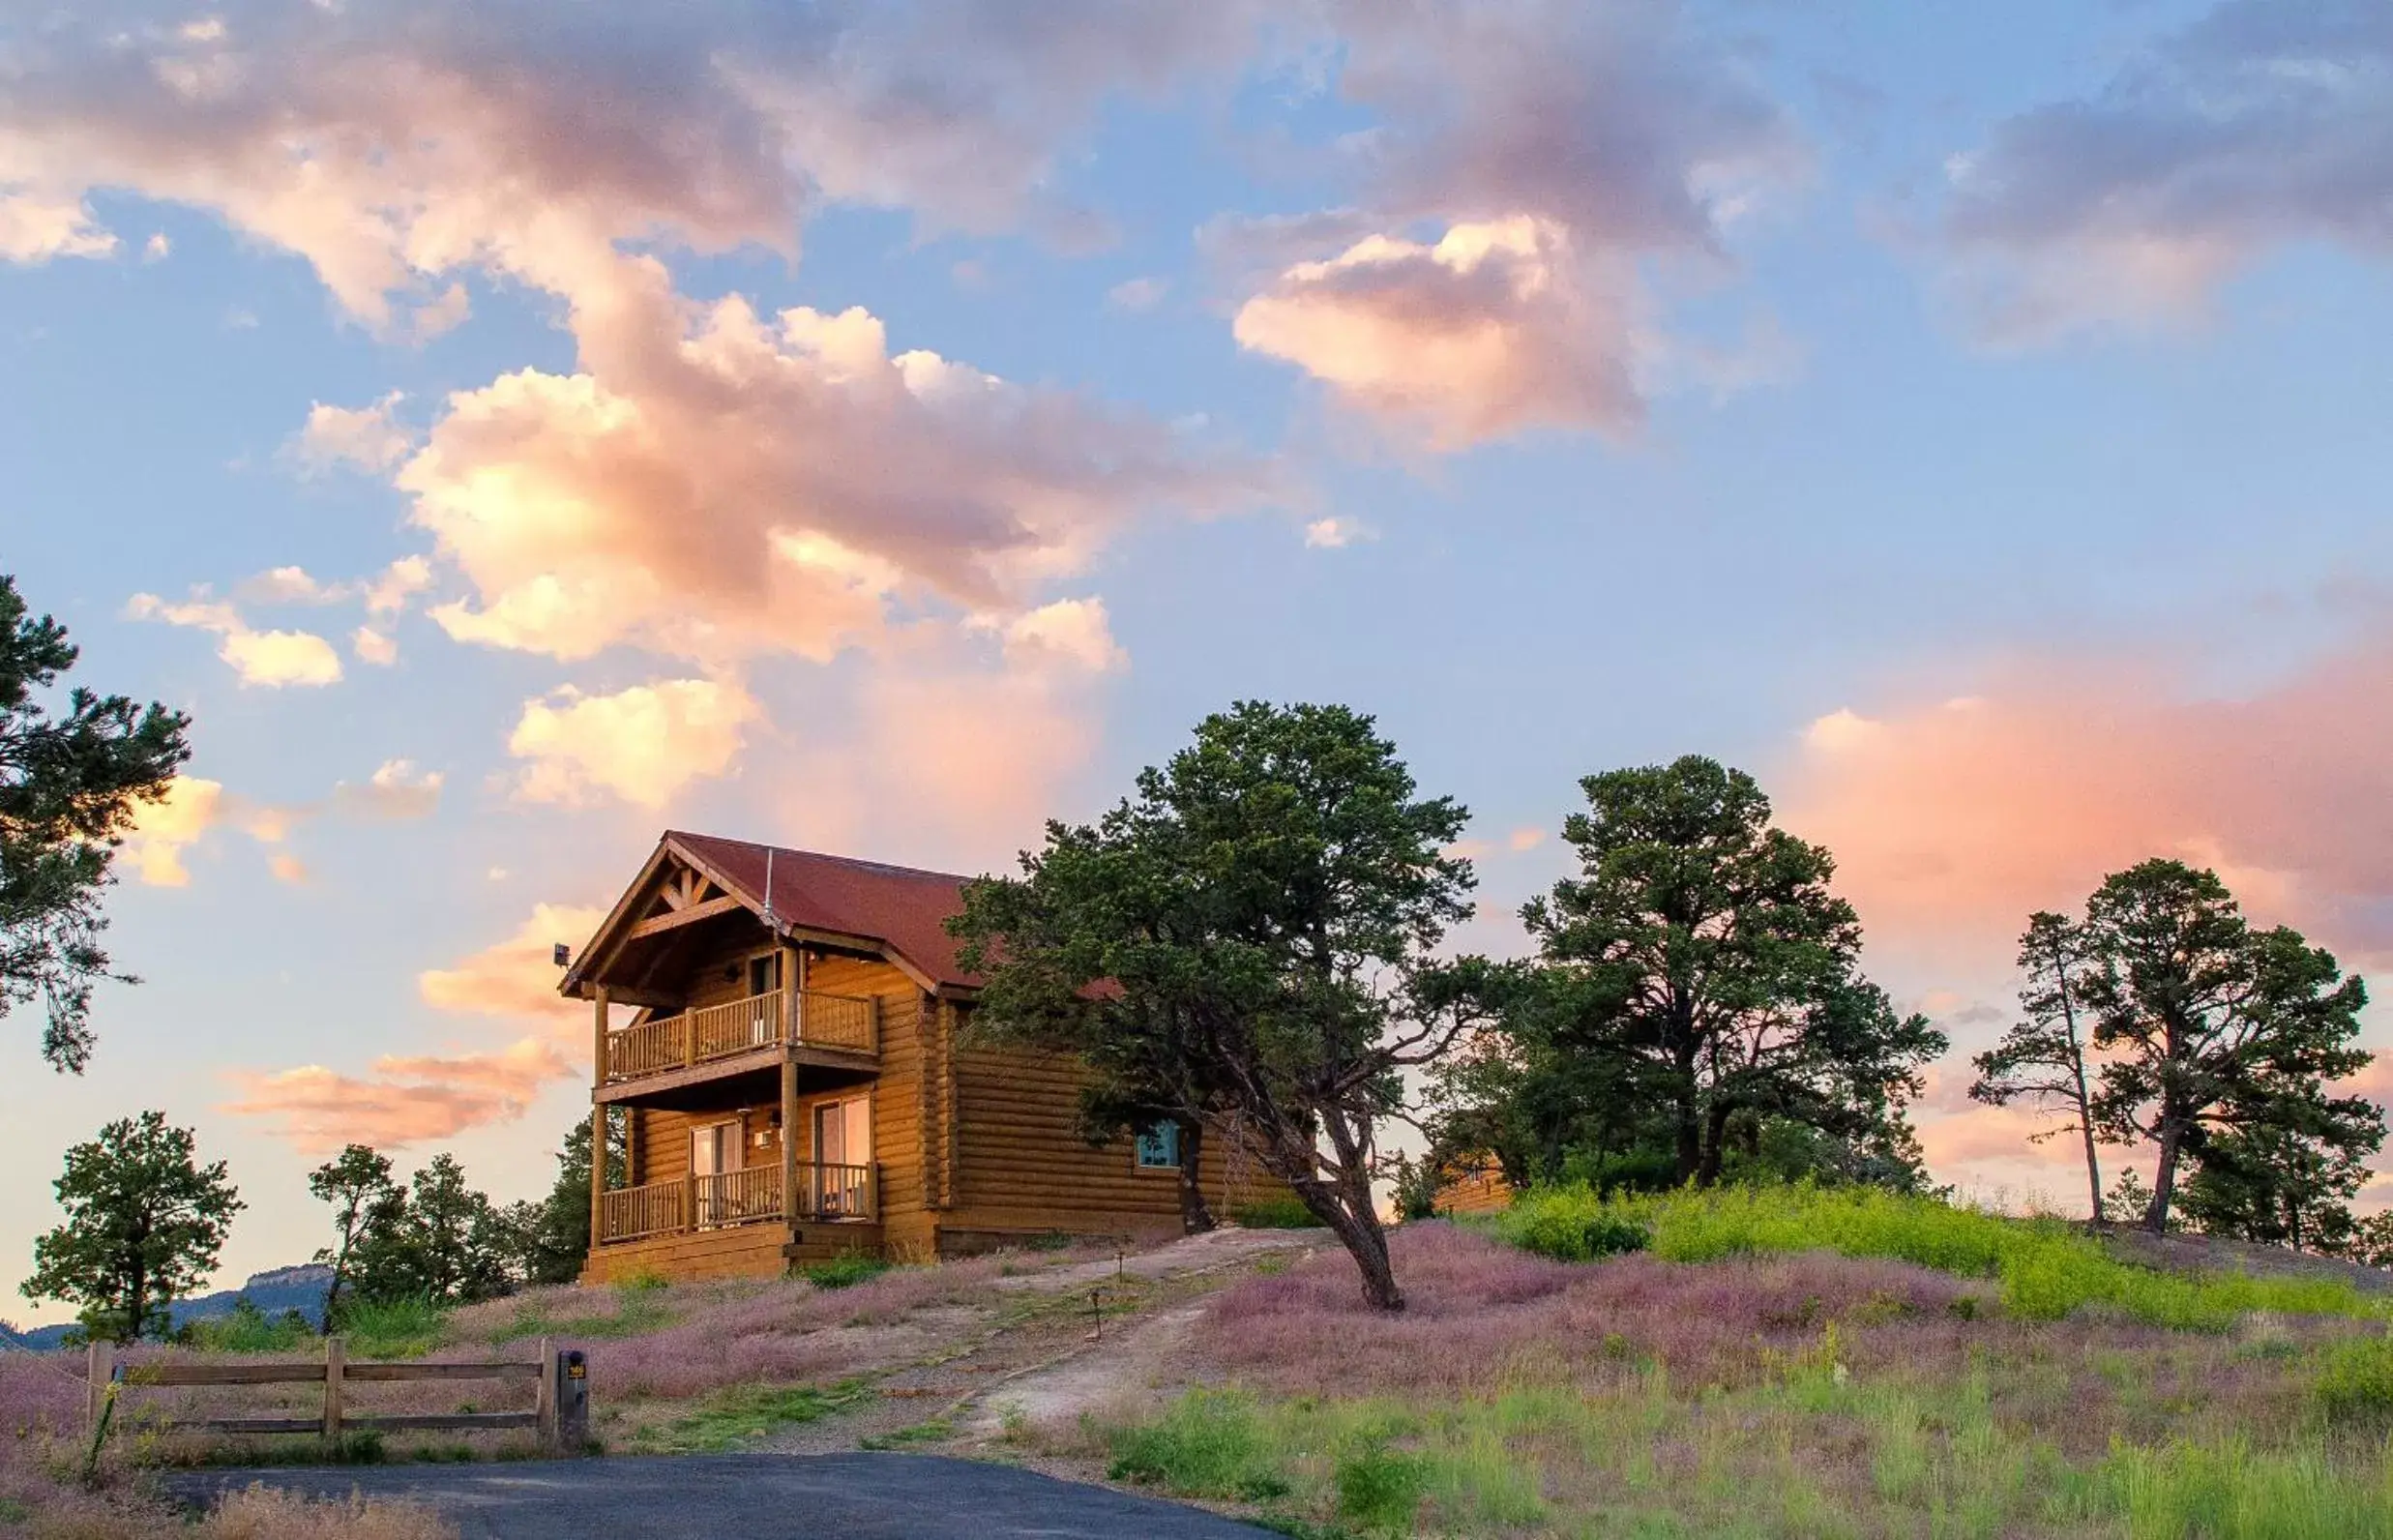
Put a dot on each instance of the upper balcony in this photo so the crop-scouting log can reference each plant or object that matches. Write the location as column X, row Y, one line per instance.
column 739, row 1037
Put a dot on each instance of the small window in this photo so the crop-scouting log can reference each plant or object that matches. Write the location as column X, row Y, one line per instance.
column 1159, row 1146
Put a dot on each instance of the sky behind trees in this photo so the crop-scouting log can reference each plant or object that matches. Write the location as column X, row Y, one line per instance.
column 878, row 427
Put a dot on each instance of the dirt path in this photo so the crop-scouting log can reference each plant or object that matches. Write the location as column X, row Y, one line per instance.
column 1062, row 1342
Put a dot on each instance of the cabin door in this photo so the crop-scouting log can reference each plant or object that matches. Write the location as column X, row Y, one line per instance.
column 843, row 1155
column 714, row 1151
column 763, row 999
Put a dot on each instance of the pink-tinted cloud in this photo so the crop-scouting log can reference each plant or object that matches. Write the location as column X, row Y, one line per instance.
column 1957, row 818
column 1550, row 146
column 516, row 977
column 1498, row 327
column 405, row 1101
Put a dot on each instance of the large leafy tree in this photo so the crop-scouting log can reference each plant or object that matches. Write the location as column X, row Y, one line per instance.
column 366, row 1205
column 2286, row 1179
column 438, row 1239
column 2044, row 1057
column 69, row 784
column 1249, row 937
column 144, row 1223
column 1094, row 905
column 2217, row 1035
column 1699, row 968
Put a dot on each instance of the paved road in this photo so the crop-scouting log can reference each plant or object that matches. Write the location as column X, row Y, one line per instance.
column 755, row 1497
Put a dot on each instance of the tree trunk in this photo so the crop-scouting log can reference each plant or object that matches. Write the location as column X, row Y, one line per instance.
column 2164, row 1179
column 1361, row 1235
column 2093, row 1172
column 1194, row 1217
column 1715, row 1132
column 2086, row 1100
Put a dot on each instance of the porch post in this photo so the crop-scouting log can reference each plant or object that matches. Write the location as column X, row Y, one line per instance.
column 792, row 979
column 598, row 1121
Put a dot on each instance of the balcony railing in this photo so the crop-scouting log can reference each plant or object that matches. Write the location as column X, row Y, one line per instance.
column 826, row 1191
column 808, row 1017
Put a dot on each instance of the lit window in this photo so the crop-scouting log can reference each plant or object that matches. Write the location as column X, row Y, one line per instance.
column 1159, row 1146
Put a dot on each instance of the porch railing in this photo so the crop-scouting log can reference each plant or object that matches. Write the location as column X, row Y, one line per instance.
column 826, row 1191
column 808, row 1017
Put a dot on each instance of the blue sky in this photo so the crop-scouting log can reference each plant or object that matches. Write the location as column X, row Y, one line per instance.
column 1973, row 425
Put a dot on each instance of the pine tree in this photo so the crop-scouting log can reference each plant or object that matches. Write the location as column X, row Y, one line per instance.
column 144, row 1225
column 2211, row 1029
column 2043, row 1059
column 69, row 785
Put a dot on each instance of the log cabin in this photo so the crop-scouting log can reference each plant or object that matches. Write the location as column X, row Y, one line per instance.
column 780, row 1047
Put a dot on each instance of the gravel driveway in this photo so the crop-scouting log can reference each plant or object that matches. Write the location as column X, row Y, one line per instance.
column 755, row 1496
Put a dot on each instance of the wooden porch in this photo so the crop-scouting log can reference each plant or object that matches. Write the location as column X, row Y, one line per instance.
column 826, row 1193
column 660, row 1052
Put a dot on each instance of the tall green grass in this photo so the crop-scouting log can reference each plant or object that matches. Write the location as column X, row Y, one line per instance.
column 2047, row 1269
column 1811, row 1455
column 392, row 1328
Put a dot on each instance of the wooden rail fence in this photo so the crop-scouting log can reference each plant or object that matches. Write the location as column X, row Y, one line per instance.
column 559, row 1415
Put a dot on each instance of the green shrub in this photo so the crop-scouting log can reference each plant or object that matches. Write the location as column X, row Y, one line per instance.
column 2355, row 1382
column 392, row 1328
column 1272, row 1213
column 2047, row 1269
column 1209, row 1445
column 845, row 1270
column 250, row 1330
column 1380, row 1489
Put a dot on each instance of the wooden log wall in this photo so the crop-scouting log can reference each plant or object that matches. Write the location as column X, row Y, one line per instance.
column 1019, row 1155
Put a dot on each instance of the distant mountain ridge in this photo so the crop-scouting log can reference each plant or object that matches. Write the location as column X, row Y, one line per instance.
column 273, row 1292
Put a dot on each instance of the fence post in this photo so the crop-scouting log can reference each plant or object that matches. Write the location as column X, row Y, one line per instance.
column 544, row 1397
column 336, row 1365
column 99, row 1368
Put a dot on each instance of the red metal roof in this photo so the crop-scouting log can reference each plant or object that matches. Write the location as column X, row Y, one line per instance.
column 902, row 907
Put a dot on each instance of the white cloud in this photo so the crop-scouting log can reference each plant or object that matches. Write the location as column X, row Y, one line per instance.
column 1138, row 293
column 284, row 585
column 401, row 580
column 371, row 646
column 269, row 657
column 164, row 831
column 366, row 437
column 397, row 789
column 157, row 249
column 643, row 744
column 720, row 483
column 1072, row 632
column 36, row 229
column 1334, row 534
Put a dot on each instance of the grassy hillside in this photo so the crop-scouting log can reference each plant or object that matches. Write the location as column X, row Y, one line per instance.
column 1791, row 1363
